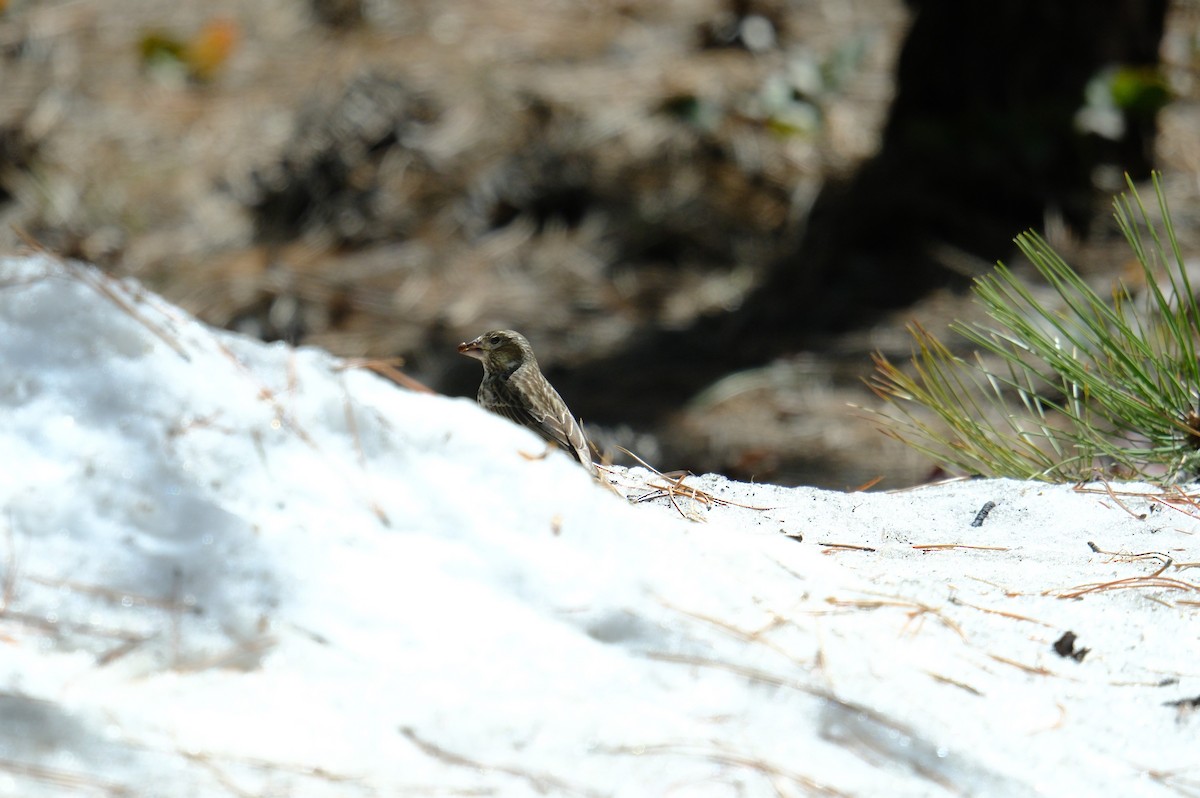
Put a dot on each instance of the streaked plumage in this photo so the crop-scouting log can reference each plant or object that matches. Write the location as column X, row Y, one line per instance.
column 513, row 387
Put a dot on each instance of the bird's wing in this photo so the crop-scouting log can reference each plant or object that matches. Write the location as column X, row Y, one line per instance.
column 526, row 398
column 567, row 432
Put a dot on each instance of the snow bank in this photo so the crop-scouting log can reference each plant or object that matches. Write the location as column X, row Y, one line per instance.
column 238, row 568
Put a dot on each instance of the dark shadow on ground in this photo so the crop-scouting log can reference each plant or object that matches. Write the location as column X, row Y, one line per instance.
column 982, row 142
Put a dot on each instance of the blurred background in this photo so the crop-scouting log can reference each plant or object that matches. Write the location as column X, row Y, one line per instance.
column 705, row 214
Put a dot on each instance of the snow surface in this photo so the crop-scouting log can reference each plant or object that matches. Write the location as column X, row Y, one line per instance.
column 231, row 568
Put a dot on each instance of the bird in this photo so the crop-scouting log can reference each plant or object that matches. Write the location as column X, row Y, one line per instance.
column 513, row 386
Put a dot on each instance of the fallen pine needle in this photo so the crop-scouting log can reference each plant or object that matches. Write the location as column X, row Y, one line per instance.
column 849, row 546
column 954, row 683
column 103, row 285
column 1130, row 557
column 1039, row 671
column 1129, row 583
column 1112, row 494
column 672, row 487
column 388, row 368
column 870, row 483
column 1001, row 613
column 915, row 610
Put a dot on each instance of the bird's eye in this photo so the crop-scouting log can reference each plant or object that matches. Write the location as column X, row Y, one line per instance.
column 494, row 340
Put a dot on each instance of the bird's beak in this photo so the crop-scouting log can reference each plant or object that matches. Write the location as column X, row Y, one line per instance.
column 472, row 349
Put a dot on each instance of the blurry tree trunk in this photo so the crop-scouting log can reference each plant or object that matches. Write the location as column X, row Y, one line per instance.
column 980, row 143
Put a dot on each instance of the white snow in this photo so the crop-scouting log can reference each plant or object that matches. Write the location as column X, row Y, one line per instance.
column 231, row 568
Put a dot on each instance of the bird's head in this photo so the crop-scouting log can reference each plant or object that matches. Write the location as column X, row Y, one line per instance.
column 502, row 351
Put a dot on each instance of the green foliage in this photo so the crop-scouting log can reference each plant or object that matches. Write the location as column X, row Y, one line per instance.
column 1142, row 91
column 1072, row 388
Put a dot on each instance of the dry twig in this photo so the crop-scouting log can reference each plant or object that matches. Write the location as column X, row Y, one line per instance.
column 672, row 487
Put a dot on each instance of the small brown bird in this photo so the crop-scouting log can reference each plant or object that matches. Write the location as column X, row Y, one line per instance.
column 513, row 387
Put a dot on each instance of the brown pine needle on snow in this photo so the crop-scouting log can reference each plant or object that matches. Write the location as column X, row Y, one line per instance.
column 389, row 368
column 671, row 486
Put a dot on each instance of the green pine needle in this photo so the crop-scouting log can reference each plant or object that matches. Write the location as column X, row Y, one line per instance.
column 1088, row 386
